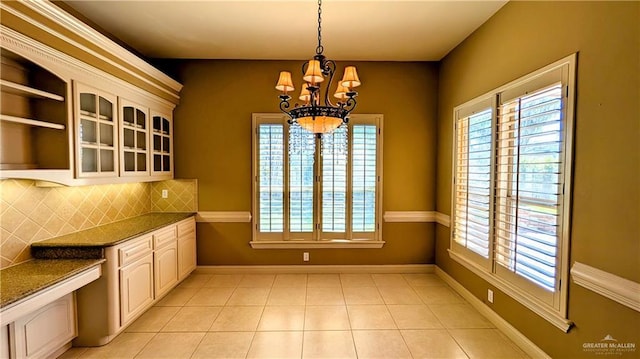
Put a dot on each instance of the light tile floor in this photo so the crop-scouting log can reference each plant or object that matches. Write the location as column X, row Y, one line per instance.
column 309, row 316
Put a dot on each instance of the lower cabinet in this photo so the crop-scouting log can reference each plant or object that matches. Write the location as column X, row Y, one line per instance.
column 136, row 288
column 166, row 268
column 137, row 274
column 186, row 247
column 41, row 333
column 4, row 342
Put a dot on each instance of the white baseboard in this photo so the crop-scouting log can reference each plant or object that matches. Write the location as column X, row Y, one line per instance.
column 401, row 268
column 512, row 333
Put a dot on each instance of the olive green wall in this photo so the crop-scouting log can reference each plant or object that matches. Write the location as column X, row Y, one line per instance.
column 605, row 225
column 213, row 144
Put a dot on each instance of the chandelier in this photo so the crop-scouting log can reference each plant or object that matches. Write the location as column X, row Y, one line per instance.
column 313, row 115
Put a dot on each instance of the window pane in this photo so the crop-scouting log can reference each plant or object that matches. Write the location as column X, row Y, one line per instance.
column 529, row 185
column 301, row 159
column 334, row 181
column 473, row 176
column 271, row 177
column 364, row 178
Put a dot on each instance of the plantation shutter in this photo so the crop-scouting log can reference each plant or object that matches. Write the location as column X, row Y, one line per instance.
column 529, row 183
column 300, row 181
column 316, row 188
column 472, row 198
column 364, row 180
column 334, row 184
column 271, row 177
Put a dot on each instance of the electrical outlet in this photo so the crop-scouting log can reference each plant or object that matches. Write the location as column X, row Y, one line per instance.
column 165, row 193
column 490, row 295
column 305, row 256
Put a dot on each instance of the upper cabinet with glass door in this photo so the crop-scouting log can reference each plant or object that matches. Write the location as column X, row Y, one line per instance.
column 96, row 125
column 70, row 112
column 134, row 138
column 162, row 142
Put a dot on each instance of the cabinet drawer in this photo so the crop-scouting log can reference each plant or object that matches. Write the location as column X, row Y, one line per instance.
column 186, row 227
column 134, row 251
column 164, row 237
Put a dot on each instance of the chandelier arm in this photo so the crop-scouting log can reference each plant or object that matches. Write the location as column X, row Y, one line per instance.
column 349, row 104
column 284, row 104
column 330, row 67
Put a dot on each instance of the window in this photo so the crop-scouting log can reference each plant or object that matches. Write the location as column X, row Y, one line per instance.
column 511, row 190
column 312, row 191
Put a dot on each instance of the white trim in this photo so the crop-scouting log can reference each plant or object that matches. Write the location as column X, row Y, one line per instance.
column 315, row 244
column 409, row 216
column 227, row 217
column 43, row 297
column 74, row 25
column 282, row 239
column 514, row 292
column 280, row 269
column 551, row 305
column 621, row 290
column 443, row 219
column 512, row 333
column 70, row 68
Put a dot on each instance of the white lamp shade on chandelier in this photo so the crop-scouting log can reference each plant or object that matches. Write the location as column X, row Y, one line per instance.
column 314, row 115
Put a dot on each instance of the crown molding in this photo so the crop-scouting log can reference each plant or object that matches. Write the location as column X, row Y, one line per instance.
column 67, row 21
column 70, row 68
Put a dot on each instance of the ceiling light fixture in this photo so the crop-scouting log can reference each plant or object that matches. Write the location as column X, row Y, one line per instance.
column 314, row 115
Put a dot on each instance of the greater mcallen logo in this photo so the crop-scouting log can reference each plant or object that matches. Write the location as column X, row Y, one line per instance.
column 609, row 346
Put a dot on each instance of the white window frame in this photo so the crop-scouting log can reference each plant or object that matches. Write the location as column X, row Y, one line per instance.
column 554, row 309
column 318, row 239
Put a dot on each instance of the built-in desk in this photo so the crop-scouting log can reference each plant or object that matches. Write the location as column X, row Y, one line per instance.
column 145, row 257
column 37, row 305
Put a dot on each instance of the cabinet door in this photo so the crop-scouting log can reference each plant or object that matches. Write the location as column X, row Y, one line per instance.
column 136, row 288
column 46, row 330
column 96, row 132
column 134, row 135
column 166, row 268
column 162, row 146
column 5, row 345
column 186, row 248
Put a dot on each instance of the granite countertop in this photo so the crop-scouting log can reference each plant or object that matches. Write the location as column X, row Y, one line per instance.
column 114, row 233
column 22, row 280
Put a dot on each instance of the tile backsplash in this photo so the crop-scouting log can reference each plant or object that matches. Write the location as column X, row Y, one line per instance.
column 30, row 214
column 182, row 196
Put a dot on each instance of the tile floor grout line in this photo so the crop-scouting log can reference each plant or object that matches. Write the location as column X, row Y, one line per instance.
column 195, row 348
column 85, row 352
column 346, row 307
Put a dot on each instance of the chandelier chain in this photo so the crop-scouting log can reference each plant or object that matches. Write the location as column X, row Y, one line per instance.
column 320, row 48
column 312, row 115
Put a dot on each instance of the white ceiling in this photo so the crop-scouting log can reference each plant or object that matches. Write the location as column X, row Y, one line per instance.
column 379, row 30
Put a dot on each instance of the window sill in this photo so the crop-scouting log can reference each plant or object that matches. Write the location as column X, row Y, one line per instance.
column 315, row 244
column 520, row 296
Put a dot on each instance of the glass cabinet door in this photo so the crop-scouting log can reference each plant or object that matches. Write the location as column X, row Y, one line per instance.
column 134, row 124
column 96, row 132
column 162, row 138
